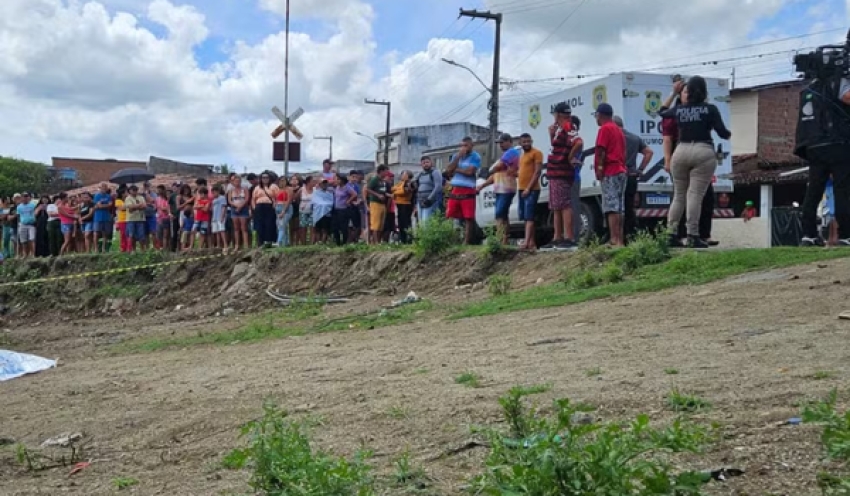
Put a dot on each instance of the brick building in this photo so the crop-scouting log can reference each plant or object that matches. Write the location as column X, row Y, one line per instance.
column 91, row 171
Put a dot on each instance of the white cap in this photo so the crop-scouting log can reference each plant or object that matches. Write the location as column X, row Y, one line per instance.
column 16, row 195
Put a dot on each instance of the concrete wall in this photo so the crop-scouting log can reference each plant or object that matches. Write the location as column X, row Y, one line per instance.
column 744, row 126
column 159, row 165
column 735, row 233
column 94, row 171
column 408, row 145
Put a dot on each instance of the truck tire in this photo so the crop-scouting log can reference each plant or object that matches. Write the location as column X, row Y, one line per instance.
column 591, row 220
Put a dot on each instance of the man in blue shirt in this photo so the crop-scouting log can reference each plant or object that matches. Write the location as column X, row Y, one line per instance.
column 26, row 225
column 463, row 170
column 102, row 218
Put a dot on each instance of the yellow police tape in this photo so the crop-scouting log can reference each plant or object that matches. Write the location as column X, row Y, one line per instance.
column 84, row 275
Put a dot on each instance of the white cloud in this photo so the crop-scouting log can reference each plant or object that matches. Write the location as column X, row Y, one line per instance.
column 86, row 78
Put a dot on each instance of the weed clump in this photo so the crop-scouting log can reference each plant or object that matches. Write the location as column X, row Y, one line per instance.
column 561, row 455
column 282, row 461
column 434, row 237
column 499, row 285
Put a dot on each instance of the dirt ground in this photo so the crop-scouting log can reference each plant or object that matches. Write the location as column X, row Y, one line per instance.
column 750, row 345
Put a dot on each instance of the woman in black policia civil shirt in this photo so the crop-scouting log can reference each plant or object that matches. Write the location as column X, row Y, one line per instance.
column 694, row 161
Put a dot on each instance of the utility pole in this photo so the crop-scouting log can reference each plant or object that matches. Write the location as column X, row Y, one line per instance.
column 331, row 139
column 733, row 79
column 387, row 131
column 494, row 89
column 286, row 96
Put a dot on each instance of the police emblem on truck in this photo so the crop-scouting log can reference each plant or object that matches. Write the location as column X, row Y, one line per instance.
column 652, row 104
column 534, row 117
column 600, row 95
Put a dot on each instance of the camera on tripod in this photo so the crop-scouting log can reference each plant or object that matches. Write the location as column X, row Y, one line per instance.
column 825, row 61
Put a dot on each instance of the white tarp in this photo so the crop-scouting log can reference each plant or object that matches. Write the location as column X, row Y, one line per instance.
column 13, row 364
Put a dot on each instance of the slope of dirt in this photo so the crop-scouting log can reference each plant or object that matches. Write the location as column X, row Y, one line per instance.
column 240, row 281
column 750, row 345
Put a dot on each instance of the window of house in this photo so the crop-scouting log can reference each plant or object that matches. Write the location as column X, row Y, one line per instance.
column 417, row 140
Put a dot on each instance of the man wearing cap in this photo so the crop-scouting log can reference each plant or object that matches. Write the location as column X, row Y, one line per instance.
column 610, row 169
column 634, row 146
column 26, row 225
column 561, row 174
column 429, row 190
column 463, row 170
column 503, row 176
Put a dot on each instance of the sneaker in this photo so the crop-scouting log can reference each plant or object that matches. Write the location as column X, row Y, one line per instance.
column 712, row 242
column 551, row 246
column 807, row 241
column 844, row 242
column 696, row 242
column 566, row 245
column 674, row 242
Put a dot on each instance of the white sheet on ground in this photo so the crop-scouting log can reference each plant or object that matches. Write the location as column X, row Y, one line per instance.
column 13, row 364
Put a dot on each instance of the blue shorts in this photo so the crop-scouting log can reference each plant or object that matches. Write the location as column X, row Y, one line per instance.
column 527, row 206
column 503, row 205
column 150, row 225
column 67, row 228
column 244, row 214
column 202, row 227
column 88, row 227
column 137, row 230
column 188, row 224
column 103, row 227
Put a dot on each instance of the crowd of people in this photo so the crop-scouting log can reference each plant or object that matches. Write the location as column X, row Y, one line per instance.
column 252, row 211
column 331, row 207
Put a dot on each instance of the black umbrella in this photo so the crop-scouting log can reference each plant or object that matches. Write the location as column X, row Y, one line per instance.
column 128, row 176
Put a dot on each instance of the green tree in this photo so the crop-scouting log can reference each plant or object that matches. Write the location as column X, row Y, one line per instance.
column 223, row 169
column 18, row 175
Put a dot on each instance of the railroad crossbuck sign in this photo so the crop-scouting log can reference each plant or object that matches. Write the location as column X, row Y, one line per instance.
column 287, row 123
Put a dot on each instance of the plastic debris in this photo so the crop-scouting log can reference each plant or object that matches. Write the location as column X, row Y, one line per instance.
column 63, row 440
column 13, row 364
column 79, row 468
column 410, row 298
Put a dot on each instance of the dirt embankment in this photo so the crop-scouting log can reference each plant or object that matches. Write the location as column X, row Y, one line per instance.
column 240, row 281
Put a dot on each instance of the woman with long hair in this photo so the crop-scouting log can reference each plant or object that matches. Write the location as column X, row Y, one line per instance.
column 344, row 197
column 54, row 227
column 305, row 214
column 403, row 193
column 68, row 219
column 295, row 185
column 87, row 222
column 283, row 210
column 240, row 207
column 263, row 202
column 42, row 244
column 694, row 161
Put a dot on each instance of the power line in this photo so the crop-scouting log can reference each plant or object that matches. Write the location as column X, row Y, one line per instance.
column 552, row 33
column 457, row 109
column 658, row 68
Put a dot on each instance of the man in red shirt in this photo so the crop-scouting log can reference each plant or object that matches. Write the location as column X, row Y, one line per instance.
column 561, row 174
column 610, row 168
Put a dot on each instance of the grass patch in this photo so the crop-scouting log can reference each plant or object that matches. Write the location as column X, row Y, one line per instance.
column 469, row 379
column 499, row 285
column 686, row 269
column 398, row 412
column 835, row 438
column 124, row 482
column 555, row 455
column 282, row 461
column 821, row 375
column 594, row 372
column 297, row 320
column 437, row 236
column 671, row 371
column 681, row 402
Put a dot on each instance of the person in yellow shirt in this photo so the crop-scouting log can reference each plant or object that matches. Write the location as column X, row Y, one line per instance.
column 121, row 220
column 403, row 192
column 528, row 184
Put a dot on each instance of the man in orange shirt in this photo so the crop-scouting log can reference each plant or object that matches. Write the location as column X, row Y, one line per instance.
column 528, row 183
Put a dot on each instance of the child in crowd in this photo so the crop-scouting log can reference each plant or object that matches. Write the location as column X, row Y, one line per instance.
column 219, row 217
column 203, row 215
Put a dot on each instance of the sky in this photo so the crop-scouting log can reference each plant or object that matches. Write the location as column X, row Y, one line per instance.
column 195, row 80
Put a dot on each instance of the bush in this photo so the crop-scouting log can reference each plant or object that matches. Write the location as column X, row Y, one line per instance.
column 283, row 462
column 499, row 285
column 563, row 456
column 645, row 249
column 582, row 279
column 435, row 237
column 493, row 241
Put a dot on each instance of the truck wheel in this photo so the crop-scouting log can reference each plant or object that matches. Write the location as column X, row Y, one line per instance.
column 591, row 220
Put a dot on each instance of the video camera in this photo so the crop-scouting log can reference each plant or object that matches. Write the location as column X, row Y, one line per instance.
column 825, row 61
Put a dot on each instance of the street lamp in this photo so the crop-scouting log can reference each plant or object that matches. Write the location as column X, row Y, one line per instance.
column 452, row 62
column 494, row 116
column 358, row 133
